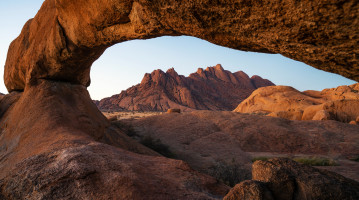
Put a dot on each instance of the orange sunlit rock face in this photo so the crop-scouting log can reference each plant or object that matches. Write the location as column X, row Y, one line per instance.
column 211, row 89
column 66, row 37
column 341, row 103
column 52, row 136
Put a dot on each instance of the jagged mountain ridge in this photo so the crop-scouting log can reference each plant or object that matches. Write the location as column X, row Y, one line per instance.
column 211, row 89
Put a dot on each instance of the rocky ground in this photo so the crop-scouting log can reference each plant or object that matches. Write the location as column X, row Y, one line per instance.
column 206, row 139
column 55, row 144
column 129, row 115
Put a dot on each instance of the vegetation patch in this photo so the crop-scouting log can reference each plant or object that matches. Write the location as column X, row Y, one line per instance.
column 229, row 173
column 262, row 158
column 158, row 146
column 125, row 127
column 312, row 161
column 316, row 161
column 354, row 158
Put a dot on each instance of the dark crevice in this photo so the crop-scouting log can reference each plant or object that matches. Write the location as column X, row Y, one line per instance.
column 60, row 81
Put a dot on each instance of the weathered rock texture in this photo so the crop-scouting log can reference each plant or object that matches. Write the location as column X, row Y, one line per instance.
column 341, row 103
column 48, row 145
column 211, row 89
column 303, row 182
column 284, row 179
column 204, row 138
column 49, row 149
column 66, row 37
column 250, row 190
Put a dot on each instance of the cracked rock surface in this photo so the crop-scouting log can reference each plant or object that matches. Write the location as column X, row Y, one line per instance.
column 66, row 37
column 50, row 130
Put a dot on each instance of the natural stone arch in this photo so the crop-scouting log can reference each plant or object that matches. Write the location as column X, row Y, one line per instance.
column 50, row 132
column 66, row 37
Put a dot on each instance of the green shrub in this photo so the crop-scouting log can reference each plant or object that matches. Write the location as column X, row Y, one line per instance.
column 157, row 146
column 354, row 158
column 316, row 161
column 229, row 173
column 128, row 129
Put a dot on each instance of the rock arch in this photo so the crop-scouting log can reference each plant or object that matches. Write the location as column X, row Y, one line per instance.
column 66, row 37
column 49, row 132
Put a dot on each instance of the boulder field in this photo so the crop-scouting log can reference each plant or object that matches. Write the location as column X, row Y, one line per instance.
column 52, row 136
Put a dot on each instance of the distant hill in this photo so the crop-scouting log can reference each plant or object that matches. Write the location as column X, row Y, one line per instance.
column 340, row 103
column 211, row 89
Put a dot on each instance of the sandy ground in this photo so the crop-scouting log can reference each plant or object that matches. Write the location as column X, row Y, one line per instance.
column 129, row 115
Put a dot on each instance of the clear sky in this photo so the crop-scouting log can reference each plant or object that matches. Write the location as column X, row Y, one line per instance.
column 124, row 64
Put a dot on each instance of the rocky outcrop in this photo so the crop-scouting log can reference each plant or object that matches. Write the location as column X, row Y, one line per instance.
column 49, row 134
column 66, row 37
column 174, row 110
column 50, row 147
column 251, row 190
column 341, row 103
column 211, row 89
column 284, row 179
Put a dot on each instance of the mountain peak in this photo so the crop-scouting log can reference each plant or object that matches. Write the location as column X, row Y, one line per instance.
column 219, row 67
column 157, row 71
column 200, row 71
column 172, row 72
column 258, row 81
column 210, row 89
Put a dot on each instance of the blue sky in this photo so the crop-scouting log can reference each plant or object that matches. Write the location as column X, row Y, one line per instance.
column 124, row 64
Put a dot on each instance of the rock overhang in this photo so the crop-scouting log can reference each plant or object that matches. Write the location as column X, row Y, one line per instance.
column 66, row 37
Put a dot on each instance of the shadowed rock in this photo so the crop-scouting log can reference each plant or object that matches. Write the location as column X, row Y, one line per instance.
column 290, row 180
column 286, row 179
column 49, row 149
column 66, row 37
column 48, row 143
column 250, row 190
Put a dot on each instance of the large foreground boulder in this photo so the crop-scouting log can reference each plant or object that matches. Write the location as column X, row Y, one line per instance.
column 284, row 179
column 91, row 170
